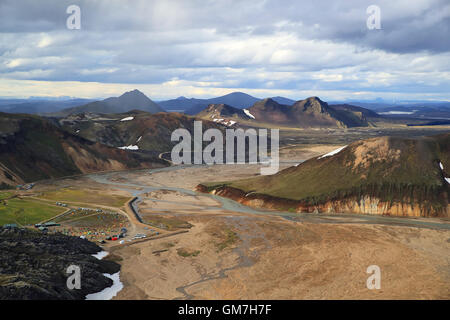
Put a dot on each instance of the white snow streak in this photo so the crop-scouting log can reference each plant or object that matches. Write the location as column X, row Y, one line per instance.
column 249, row 114
column 332, row 153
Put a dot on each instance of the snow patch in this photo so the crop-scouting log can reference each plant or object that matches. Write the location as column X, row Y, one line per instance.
column 100, row 255
column 249, row 114
column 130, row 147
column 110, row 292
column 332, row 153
column 228, row 123
column 127, row 119
column 139, row 139
column 442, row 168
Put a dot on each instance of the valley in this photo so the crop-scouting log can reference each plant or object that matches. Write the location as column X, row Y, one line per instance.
column 202, row 246
column 354, row 189
column 234, row 252
column 225, row 155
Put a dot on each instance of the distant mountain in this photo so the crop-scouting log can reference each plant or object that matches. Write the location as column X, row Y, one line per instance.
column 181, row 104
column 40, row 106
column 236, row 99
column 308, row 113
column 193, row 106
column 384, row 176
column 282, row 100
column 132, row 100
column 7, row 101
column 34, row 148
column 355, row 109
column 134, row 130
column 410, row 109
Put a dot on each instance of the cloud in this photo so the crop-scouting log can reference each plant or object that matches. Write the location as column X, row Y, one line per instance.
column 204, row 47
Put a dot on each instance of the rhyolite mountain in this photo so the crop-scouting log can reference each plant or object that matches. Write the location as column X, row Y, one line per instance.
column 309, row 113
column 132, row 100
column 134, row 130
column 193, row 106
column 34, row 148
column 385, row 176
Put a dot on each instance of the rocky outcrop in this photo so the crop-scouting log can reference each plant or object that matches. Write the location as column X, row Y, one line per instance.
column 33, row 266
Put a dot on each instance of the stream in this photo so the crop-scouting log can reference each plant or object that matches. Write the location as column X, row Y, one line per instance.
column 138, row 191
column 240, row 222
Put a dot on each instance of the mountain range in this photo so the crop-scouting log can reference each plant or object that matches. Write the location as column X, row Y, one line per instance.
column 309, row 113
column 136, row 100
column 193, row 106
column 33, row 147
column 39, row 106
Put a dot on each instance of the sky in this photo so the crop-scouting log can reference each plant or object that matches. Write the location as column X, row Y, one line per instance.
column 206, row 48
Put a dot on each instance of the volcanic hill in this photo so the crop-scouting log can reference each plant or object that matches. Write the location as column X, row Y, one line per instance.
column 385, row 175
